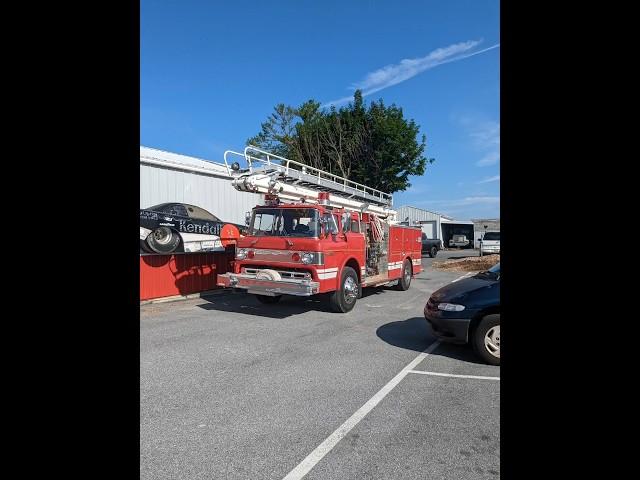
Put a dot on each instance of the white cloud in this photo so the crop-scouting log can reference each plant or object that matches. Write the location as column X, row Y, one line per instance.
column 495, row 178
column 490, row 158
column 417, row 189
column 467, row 207
column 485, row 136
column 461, row 202
column 410, row 67
column 471, row 200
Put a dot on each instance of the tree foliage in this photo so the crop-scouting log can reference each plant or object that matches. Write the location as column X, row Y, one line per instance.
column 373, row 145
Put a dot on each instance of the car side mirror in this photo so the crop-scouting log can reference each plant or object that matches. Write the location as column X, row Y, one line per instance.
column 247, row 218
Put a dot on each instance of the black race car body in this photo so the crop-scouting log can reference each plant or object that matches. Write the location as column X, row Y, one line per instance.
column 180, row 227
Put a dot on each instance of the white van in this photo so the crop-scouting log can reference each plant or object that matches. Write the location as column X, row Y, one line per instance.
column 490, row 243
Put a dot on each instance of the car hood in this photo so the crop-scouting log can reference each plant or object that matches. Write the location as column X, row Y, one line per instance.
column 461, row 288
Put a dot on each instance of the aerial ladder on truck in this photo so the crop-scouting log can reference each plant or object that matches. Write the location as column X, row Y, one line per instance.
column 292, row 180
column 353, row 241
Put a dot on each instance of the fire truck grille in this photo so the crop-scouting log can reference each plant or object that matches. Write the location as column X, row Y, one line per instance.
column 297, row 275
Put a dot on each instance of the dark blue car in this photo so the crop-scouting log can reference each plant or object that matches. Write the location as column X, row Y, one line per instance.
column 468, row 311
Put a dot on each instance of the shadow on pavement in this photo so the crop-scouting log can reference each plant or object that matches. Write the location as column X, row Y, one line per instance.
column 288, row 305
column 248, row 304
column 415, row 334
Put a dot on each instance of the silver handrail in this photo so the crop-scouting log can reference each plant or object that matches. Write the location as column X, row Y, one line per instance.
column 384, row 197
column 225, row 159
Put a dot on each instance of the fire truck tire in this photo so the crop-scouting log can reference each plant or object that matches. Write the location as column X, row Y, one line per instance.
column 163, row 240
column 267, row 299
column 405, row 277
column 344, row 299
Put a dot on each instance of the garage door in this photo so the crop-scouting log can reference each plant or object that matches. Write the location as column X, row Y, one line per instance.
column 429, row 229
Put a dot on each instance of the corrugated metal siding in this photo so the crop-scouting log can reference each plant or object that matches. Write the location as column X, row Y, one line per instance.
column 211, row 189
column 415, row 214
column 182, row 274
column 216, row 194
column 491, row 224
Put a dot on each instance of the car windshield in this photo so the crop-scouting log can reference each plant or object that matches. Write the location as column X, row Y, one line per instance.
column 200, row 213
column 492, row 236
column 284, row 222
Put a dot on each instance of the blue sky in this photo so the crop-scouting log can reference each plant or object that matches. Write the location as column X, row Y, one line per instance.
column 212, row 71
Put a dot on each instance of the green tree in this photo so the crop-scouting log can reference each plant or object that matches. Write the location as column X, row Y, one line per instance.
column 375, row 146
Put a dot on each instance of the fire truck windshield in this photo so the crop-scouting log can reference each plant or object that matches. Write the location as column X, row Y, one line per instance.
column 285, row 222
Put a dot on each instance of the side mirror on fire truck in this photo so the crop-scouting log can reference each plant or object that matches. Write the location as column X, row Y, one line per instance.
column 346, row 223
column 247, row 218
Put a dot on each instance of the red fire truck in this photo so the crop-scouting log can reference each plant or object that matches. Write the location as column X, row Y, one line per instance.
column 317, row 233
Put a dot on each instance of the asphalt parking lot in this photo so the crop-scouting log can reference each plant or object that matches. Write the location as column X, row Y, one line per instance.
column 231, row 388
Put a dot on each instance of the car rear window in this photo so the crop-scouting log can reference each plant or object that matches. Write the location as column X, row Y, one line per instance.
column 492, row 236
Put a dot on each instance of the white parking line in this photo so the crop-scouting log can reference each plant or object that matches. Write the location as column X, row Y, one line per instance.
column 463, row 276
column 331, row 441
column 452, row 375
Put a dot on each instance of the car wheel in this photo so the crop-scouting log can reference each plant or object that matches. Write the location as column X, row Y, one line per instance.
column 405, row 277
column 344, row 299
column 144, row 247
column 163, row 240
column 433, row 252
column 268, row 299
column 486, row 339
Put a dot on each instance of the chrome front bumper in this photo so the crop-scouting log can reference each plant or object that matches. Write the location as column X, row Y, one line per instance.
column 302, row 288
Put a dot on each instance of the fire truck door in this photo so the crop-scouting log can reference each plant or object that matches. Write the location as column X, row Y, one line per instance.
column 396, row 243
column 408, row 244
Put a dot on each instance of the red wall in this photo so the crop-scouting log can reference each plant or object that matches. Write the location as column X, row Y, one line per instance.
column 181, row 274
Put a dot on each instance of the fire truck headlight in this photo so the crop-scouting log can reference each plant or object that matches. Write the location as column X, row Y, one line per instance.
column 307, row 258
column 241, row 254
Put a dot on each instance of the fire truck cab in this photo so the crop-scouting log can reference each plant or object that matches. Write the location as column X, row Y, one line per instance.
column 321, row 243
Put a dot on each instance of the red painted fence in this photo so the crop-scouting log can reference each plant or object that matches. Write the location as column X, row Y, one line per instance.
column 181, row 274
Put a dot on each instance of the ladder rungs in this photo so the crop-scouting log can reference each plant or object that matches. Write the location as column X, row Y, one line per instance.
column 318, row 179
column 325, row 185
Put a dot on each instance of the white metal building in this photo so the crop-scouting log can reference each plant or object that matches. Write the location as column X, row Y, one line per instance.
column 435, row 225
column 482, row 225
column 170, row 177
column 431, row 222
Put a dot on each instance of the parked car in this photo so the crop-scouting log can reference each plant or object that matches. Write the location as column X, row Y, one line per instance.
column 180, row 227
column 468, row 311
column 429, row 246
column 460, row 241
column 490, row 243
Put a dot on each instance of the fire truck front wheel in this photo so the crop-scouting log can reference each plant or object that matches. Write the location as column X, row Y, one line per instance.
column 267, row 299
column 344, row 299
column 405, row 278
